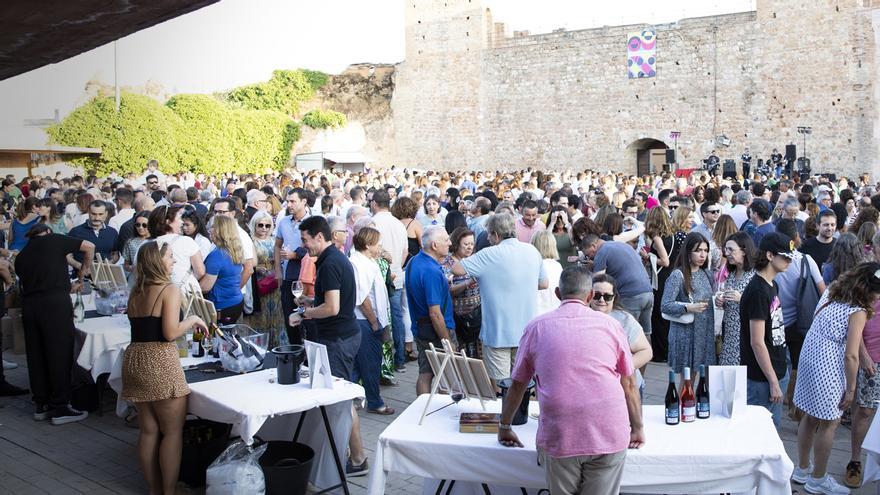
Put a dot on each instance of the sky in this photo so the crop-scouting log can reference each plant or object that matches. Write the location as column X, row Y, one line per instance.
column 235, row 42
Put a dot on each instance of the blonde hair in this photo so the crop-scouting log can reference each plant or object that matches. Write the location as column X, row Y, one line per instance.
column 150, row 269
column 545, row 243
column 681, row 219
column 225, row 237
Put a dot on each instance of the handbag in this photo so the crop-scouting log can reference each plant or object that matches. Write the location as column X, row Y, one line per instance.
column 807, row 297
column 267, row 284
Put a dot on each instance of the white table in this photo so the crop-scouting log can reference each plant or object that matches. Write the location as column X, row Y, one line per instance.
column 871, row 446
column 103, row 341
column 255, row 400
column 708, row 456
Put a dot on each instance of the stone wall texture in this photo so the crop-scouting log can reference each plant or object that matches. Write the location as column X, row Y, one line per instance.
column 467, row 96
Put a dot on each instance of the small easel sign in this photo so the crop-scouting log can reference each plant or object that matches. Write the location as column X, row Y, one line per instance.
column 319, row 365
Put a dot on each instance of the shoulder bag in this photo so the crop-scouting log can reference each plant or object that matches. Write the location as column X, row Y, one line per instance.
column 807, row 297
column 684, row 318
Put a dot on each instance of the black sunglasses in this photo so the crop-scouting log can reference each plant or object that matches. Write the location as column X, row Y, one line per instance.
column 603, row 296
column 264, row 225
column 140, row 225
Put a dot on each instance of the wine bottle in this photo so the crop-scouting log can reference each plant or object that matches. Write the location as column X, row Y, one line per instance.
column 215, row 341
column 200, row 348
column 234, row 349
column 250, row 351
column 688, row 400
column 194, row 345
column 672, row 402
column 703, row 394
column 79, row 309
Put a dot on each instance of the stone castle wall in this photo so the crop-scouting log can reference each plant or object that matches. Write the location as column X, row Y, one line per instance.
column 467, row 96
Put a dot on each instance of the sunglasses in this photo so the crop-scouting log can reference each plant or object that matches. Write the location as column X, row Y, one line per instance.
column 140, row 225
column 264, row 225
column 603, row 296
column 673, row 208
column 713, row 211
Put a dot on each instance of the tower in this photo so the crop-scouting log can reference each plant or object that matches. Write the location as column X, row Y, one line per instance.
column 436, row 101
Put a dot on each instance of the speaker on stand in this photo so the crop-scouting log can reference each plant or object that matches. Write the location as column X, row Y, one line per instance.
column 729, row 170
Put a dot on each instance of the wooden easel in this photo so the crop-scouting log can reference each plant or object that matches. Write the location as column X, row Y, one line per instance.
column 456, row 371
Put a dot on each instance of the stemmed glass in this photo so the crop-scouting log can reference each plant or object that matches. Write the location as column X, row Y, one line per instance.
column 296, row 288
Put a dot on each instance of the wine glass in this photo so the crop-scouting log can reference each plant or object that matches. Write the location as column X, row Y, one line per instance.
column 296, row 287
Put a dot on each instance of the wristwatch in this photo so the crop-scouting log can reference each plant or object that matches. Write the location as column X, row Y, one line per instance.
column 301, row 311
column 502, row 426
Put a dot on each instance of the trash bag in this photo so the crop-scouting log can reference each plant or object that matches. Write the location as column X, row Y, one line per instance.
column 237, row 471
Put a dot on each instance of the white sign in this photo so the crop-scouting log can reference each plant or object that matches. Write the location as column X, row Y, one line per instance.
column 319, row 365
column 727, row 390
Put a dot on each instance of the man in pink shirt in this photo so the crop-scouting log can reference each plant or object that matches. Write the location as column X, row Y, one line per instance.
column 528, row 223
column 590, row 406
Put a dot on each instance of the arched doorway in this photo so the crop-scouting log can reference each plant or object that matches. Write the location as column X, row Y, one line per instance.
column 649, row 155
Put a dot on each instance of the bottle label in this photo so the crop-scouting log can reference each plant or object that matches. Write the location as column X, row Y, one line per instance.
column 195, row 347
column 688, row 413
column 703, row 410
column 672, row 415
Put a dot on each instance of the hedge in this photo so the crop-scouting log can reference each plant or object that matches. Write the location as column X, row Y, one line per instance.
column 322, row 119
column 284, row 92
column 190, row 132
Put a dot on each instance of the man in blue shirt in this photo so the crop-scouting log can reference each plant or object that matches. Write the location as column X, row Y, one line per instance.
column 96, row 231
column 759, row 214
column 430, row 303
column 510, row 273
column 289, row 252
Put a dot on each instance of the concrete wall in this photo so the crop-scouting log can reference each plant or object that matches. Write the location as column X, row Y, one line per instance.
column 468, row 96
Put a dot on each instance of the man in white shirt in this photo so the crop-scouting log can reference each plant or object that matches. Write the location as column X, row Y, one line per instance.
column 393, row 240
column 124, row 211
column 737, row 212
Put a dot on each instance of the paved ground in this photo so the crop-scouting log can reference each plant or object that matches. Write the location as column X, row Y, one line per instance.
column 98, row 455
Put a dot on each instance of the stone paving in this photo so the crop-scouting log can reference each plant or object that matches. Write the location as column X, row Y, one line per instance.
column 97, row 456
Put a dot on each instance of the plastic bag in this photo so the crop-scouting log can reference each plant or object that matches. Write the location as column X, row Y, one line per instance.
column 237, row 471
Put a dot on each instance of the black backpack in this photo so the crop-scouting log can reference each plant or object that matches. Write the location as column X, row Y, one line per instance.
column 807, row 297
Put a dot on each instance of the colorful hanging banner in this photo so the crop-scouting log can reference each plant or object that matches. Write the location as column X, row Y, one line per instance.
column 641, row 50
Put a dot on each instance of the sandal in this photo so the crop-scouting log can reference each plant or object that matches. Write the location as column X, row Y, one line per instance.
column 384, row 411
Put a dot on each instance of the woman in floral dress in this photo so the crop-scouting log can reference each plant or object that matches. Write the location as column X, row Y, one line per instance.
column 739, row 250
column 269, row 318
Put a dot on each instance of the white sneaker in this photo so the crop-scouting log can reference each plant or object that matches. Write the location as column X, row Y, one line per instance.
column 9, row 365
column 801, row 475
column 825, row 486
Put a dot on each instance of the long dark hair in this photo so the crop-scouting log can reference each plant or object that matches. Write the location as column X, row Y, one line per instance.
column 857, row 287
column 691, row 243
column 193, row 216
column 747, row 245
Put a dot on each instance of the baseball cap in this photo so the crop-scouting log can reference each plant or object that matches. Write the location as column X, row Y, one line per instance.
column 778, row 243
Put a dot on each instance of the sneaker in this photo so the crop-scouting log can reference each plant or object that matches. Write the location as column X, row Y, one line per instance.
column 9, row 390
column 825, row 486
column 68, row 414
column 801, row 475
column 853, row 477
column 9, row 365
column 360, row 470
column 401, row 368
column 42, row 413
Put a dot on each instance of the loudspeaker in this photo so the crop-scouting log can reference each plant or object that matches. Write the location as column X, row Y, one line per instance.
column 790, row 152
column 670, row 156
column 729, row 169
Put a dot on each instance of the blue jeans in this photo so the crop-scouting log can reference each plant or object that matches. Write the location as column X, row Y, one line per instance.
column 368, row 364
column 758, row 394
column 398, row 331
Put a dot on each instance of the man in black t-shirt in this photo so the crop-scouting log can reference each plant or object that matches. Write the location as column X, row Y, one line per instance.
column 762, row 331
column 333, row 314
column 819, row 247
column 47, row 315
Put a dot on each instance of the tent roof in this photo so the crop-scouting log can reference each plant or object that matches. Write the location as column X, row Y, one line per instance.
column 34, row 34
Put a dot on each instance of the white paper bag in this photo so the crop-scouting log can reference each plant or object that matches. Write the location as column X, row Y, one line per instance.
column 727, row 390
column 319, row 365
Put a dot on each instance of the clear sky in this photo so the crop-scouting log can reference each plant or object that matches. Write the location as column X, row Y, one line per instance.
column 236, row 42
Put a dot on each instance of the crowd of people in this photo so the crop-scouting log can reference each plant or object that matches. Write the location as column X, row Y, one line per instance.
column 579, row 277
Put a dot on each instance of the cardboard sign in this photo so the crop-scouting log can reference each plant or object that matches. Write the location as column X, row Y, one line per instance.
column 319, row 365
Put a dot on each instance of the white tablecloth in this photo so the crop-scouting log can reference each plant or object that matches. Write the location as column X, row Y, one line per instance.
column 254, row 406
column 103, row 341
column 871, row 446
column 707, row 456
